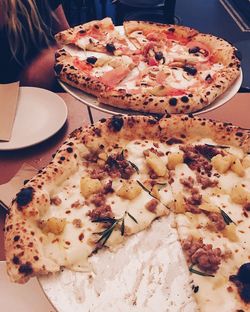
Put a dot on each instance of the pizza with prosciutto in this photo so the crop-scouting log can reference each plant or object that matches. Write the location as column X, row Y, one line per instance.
column 175, row 69
column 111, row 181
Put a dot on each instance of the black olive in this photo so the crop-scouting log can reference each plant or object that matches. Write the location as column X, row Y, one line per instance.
column 190, row 70
column 91, row 59
column 110, row 47
column 194, row 50
column 158, row 55
column 117, row 123
column 244, row 273
column 173, row 101
column 24, row 196
column 184, row 99
column 245, row 293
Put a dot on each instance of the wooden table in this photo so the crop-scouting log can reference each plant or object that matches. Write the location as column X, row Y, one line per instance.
column 237, row 111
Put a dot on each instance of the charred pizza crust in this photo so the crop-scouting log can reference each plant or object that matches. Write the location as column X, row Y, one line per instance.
column 25, row 255
column 193, row 101
column 68, row 36
column 158, row 28
column 66, row 71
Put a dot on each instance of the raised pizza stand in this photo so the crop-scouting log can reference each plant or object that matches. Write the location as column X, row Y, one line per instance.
column 235, row 111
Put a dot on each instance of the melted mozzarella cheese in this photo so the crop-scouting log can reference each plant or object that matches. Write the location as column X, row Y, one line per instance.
column 214, row 68
column 99, row 71
column 177, row 80
column 142, row 275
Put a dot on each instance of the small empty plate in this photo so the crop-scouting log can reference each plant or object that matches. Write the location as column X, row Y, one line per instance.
column 40, row 114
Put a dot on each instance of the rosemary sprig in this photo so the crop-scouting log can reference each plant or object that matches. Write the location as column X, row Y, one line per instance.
column 192, row 270
column 226, row 217
column 145, row 189
column 114, row 222
column 106, row 233
column 133, row 218
column 130, row 162
column 218, row 146
column 150, row 193
column 122, row 227
column 134, row 166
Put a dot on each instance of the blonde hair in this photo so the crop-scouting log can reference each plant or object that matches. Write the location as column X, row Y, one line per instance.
column 35, row 31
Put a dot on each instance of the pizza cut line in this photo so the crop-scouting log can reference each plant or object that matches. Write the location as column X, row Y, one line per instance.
column 157, row 69
column 113, row 179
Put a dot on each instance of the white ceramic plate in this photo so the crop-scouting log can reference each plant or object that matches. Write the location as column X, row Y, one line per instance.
column 40, row 114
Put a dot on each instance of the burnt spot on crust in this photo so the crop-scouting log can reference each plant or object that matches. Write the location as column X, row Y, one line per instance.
column 171, row 29
column 26, row 269
column 24, row 197
column 174, row 141
column 58, row 68
column 116, row 123
column 16, row 238
column 172, row 101
column 15, row 260
column 69, row 149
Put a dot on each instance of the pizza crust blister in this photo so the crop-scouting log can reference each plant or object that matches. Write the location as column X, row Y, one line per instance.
column 103, row 195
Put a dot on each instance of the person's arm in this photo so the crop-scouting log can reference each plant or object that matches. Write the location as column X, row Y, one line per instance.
column 40, row 71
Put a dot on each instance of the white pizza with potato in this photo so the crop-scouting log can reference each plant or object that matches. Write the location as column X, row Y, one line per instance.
column 172, row 191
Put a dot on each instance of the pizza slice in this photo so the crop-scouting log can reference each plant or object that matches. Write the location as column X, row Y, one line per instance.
column 93, row 73
column 211, row 220
column 141, row 33
column 178, row 76
column 98, row 36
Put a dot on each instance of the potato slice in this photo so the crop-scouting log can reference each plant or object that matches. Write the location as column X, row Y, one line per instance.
column 155, row 163
column 222, row 163
column 239, row 195
column 179, row 204
column 238, row 168
column 129, row 190
column 89, row 186
column 174, row 159
column 230, row 232
column 246, row 162
column 52, row 225
column 209, row 207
